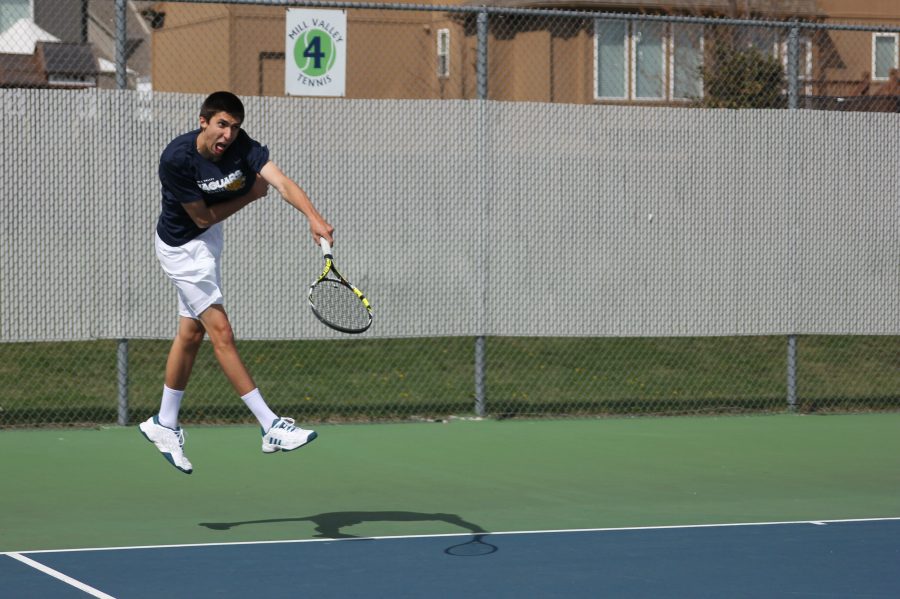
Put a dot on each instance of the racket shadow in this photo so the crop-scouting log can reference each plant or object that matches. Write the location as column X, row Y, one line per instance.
column 475, row 547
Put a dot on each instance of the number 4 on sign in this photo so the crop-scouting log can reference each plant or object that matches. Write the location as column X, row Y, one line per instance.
column 314, row 51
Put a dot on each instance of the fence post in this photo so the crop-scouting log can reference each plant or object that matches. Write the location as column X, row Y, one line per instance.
column 122, row 380
column 793, row 67
column 792, row 372
column 481, row 55
column 793, row 94
column 84, row 12
column 121, row 35
column 481, row 77
column 479, row 375
column 122, row 347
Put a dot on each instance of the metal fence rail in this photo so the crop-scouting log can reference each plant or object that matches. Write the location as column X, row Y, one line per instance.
column 589, row 246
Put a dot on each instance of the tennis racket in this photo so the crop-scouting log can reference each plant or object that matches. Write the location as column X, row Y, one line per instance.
column 336, row 302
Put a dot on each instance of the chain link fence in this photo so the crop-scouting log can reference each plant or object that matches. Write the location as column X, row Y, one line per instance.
column 580, row 244
column 409, row 51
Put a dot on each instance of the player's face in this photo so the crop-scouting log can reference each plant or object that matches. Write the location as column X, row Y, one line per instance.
column 217, row 134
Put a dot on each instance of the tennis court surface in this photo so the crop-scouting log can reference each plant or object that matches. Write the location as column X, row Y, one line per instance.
column 762, row 506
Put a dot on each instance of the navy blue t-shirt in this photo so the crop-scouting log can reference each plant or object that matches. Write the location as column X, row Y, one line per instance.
column 186, row 176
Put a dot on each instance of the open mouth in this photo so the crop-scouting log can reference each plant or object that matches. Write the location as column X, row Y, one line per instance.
column 220, row 147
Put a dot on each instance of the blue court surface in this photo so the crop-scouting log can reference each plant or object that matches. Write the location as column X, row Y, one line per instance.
column 839, row 559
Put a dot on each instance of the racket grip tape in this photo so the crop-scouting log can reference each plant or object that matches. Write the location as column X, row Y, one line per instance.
column 326, row 247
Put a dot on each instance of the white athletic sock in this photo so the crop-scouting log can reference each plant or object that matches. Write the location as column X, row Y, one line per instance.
column 169, row 407
column 257, row 405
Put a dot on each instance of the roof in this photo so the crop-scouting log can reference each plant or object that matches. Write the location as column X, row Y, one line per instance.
column 22, row 37
column 62, row 58
column 21, row 70
column 724, row 8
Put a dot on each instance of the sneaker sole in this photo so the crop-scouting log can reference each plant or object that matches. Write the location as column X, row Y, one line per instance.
column 166, row 455
column 268, row 448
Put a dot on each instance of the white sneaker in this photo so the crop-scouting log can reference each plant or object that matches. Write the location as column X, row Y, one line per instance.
column 284, row 436
column 168, row 441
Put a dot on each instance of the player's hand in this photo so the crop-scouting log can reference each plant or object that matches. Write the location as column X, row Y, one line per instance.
column 259, row 190
column 319, row 227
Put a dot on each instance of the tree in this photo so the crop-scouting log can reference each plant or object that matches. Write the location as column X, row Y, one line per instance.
column 738, row 77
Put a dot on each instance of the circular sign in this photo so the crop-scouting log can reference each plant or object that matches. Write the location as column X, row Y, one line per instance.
column 314, row 52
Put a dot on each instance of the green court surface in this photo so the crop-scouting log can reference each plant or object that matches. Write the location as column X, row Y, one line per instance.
column 78, row 488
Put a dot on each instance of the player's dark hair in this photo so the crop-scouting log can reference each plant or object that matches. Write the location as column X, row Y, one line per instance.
column 222, row 102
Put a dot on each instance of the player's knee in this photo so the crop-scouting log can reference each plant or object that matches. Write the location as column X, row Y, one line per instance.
column 191, row 336
column 221, row 335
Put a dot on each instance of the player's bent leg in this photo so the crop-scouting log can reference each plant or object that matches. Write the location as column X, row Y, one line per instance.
column 284, row 435
column 170, row 443
column 221, row 335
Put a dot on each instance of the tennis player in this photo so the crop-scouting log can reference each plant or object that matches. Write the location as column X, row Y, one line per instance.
column 208, row 175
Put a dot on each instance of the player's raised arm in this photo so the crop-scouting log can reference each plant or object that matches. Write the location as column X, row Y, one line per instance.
column 297, row 198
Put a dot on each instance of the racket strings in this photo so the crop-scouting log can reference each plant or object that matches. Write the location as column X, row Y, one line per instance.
column 338, row 305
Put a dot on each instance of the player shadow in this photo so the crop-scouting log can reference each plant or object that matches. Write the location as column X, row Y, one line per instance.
column 330, row 524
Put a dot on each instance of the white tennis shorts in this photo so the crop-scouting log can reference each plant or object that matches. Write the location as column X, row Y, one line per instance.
column 194, row 269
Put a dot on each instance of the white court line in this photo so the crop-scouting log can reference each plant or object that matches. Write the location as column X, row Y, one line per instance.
column 465, row 534
column 60, row 576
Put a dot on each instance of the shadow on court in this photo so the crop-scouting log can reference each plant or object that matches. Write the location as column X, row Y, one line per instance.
column 329, row 524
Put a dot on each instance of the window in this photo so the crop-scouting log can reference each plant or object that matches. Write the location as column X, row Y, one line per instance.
column 443, row 53
column 764, row 40
column 686, row 62
column 647, row 60
column 72, row 80
column 884, row 55
column 610, row 56
column 648, row 73
column 13, row 10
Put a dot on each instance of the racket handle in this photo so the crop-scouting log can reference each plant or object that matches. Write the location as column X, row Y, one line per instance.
column 326, row 247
